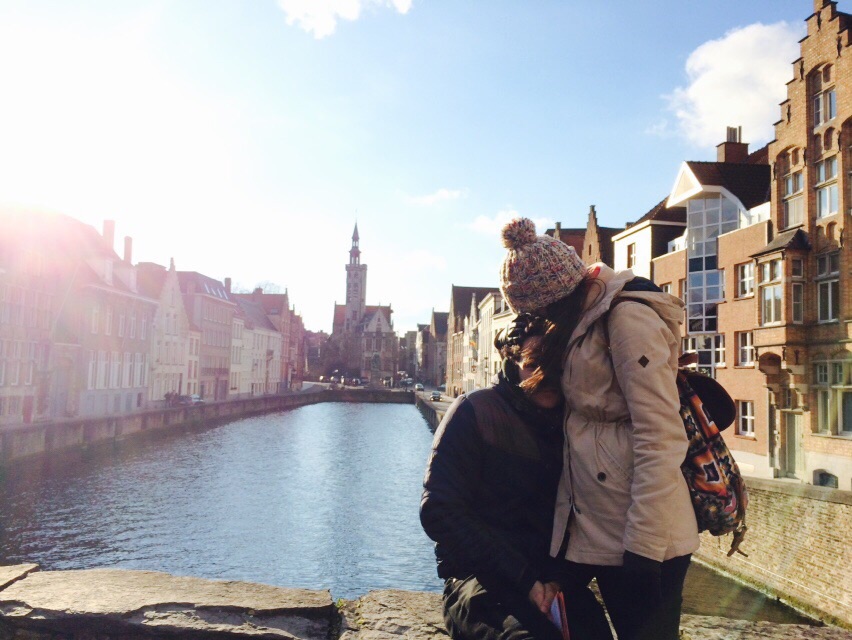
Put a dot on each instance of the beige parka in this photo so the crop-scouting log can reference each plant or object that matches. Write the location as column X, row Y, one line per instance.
column 622, row 487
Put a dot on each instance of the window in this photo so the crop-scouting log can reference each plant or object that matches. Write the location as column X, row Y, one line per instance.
column 825, row 106
column 833, row 387
column 133, row 324
column 828, row 287
column 667, row 288
column 710, row 350
column 797, row 268
column 95, row 319
column 631, row 255
column 794, row 200
column 745, row 279
column 826, row 187
column 798, row 301
column 745, row 417
column 121, row 325
column 745, row 349
column 770, row 292
column 108, row 321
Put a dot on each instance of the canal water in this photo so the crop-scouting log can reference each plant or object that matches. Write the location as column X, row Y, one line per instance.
column 322, row 497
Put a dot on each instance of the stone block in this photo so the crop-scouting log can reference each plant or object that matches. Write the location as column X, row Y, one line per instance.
column 117, row 603
column 15, row 572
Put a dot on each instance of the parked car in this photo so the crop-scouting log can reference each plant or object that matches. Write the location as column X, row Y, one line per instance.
column 418, row 387
column 442, row 388
column 196, row 399
column 436, row 395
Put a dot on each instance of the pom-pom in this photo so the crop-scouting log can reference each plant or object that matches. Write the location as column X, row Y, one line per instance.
column 518, row 233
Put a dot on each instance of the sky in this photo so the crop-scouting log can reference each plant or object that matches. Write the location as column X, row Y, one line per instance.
column 245, row 138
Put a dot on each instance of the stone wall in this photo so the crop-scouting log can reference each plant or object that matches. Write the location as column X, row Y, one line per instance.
column 430, row 412
column 105, row 604
column 21, row 442
column 799, row 546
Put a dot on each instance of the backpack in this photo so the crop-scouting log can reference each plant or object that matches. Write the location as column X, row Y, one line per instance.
column 716, row 487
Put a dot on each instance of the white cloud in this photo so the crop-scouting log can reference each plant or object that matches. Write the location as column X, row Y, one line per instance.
column 320, row 16
column 493, row 225
column 737, row 80
column 441, row 195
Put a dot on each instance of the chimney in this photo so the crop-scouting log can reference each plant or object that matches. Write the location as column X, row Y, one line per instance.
column 109, row 233
column 228, row 286
column 733, row 149
column 128, row 249
column 557, row 231
column 257, row 294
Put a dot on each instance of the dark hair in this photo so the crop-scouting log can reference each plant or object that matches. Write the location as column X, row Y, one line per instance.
column 510, row 341
column 561, row 318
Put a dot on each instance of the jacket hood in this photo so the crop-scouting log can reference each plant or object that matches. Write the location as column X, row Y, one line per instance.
column 599, row 301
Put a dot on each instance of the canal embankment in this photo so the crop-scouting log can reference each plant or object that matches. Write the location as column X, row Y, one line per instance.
column 98, row 604
column 24, row 442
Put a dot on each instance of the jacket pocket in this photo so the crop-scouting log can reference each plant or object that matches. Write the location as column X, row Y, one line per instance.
column 614, row 454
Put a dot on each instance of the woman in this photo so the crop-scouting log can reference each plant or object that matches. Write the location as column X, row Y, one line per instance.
column 623, row 512
column 488, row 503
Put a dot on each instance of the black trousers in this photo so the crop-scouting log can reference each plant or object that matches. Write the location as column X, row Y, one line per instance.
column 639, row 609
column 472, row 612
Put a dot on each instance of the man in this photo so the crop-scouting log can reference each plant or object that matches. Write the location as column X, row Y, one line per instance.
column 488, row 501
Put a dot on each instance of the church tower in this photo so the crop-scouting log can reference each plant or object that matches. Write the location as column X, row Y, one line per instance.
column 356, row 285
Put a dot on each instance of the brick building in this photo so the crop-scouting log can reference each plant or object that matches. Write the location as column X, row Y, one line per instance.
column 363, row 334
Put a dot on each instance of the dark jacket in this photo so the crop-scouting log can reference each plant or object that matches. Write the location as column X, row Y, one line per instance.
column 491, row 486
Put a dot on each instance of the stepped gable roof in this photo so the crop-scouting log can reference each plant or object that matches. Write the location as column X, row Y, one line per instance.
column 572, row 237
column 791, row 239
column 748, row 182
column 254, row 313
column 462, row 296
column 662, row 213
column 204, row 285
column 439, row 321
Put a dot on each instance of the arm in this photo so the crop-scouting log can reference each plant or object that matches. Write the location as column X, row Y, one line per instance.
column 448, row 506
column 644, row 360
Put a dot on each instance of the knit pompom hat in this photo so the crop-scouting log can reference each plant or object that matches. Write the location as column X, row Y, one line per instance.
column 537, row 270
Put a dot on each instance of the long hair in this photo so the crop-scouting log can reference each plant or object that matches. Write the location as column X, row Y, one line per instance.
column 561, row 318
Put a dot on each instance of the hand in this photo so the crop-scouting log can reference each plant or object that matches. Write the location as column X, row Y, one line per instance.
column 551, row 589
column 542, row 595
column 538, row 596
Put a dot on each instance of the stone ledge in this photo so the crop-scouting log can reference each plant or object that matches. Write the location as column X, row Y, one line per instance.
column 104, row 604
column 146, row 603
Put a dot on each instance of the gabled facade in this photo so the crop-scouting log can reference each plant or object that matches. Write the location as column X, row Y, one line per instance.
column 712, row 270
column 805, row 352
column 461, row 321
column 363, row 335
column 168, row 370
column 210, row 308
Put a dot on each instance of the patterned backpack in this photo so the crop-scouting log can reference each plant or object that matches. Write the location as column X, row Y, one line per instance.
column 717, row 488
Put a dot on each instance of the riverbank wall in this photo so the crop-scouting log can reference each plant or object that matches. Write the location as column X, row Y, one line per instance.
column 26, row 441
column 430, row 412
column 799, row 546
column 103, row 604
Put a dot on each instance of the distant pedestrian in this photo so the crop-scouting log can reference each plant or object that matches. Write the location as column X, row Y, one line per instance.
column 623, row 511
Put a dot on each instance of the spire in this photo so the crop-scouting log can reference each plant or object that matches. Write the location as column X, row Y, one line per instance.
column 355, row 252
